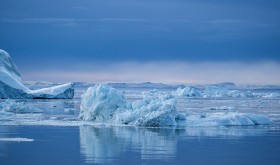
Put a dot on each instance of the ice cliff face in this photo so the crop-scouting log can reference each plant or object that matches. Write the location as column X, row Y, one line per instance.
column 12, row 87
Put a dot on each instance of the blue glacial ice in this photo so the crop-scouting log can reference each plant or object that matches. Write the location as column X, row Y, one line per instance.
column 104, row 104
column 11, row 85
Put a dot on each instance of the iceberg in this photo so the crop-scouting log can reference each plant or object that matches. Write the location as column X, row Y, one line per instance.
column 11, row 85
column 56, row 92
column 100, row 102
column 188, row 92
column 103, row 103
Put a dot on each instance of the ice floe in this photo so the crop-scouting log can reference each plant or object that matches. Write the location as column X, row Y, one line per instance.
column 13, row 106
column 225, row 119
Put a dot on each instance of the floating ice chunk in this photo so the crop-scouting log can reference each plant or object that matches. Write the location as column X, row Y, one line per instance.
column 12, row 87
column 102, row 103
column 160, row 110
column 188, row 92
column 18, row 107
column 225, row 119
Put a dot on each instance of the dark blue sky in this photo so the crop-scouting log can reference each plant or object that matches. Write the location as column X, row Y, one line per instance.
column 40, row 34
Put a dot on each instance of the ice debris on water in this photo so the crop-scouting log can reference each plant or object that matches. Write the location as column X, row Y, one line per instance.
column 13, row 106
column 213, row 91
column 104, row 104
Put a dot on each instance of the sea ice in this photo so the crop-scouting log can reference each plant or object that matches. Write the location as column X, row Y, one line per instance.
column 188, row 92
column 18, row 107
column 217, row 91
column 225, row 119
column 12, row 87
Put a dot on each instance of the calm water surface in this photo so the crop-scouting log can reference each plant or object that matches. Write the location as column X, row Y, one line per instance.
column 127, row 145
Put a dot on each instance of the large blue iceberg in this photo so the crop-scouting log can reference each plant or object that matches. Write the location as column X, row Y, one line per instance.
column 12, row 87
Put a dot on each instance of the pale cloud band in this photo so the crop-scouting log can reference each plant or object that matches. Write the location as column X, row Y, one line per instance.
column 165, row 72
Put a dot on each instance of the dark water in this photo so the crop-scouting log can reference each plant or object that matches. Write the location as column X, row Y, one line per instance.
column 130, row 145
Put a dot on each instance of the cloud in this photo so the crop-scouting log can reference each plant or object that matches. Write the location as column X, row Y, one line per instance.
column 166, row 72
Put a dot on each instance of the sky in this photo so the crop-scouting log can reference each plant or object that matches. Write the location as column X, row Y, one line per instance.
column 169, row 41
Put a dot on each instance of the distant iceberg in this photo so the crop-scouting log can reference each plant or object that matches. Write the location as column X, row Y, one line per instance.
column 12, row 87
column 188, row 92
column 211, row 91
column 104, row 104
column 219, row 91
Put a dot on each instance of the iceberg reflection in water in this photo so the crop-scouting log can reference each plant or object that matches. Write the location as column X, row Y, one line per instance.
column 101, row 144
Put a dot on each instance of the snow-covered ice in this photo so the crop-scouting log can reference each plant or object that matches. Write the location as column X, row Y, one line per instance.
column 11, row 85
